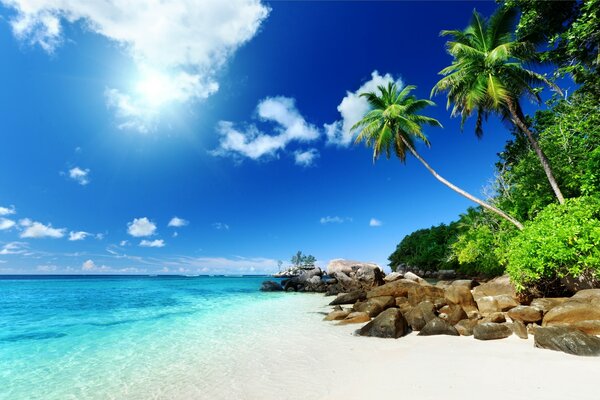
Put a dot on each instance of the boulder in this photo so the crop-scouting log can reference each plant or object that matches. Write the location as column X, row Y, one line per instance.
column 487, row 305
column 495, row 287
column 336, row 315
column 375, row 305
column 271, row 286
column 437, row 326
column 415, row 278
column 587, row 295
column 465, row 327
column 468, row 283
column 496, row 317
column 461, row 295
column 567, row 340
column 394, row 276
column 345, row 282
column 453, row 314
column 582, row 315
column 308, row 274
column 389, row 324
column 398, row 288
column 525, row 314
column 506, row 302
column 403, row 304
column 418, row 294
column 420, row 315
column 519, row 329
column 349, row 298
column 545, row 304
column 491, row 331
column 364, row 274
column 355, row 318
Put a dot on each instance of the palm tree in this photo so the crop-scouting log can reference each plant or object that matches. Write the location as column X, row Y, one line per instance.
column 488, row 75
column 393, row 124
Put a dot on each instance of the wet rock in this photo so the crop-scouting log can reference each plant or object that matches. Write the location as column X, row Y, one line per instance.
column 525, row 314
column 465, row 327
column 491, row 331
column 349, row 298
column 271, row 286
column 355, row 318
column 519, row 329
column 567, row 340
column 420, row 315
column 389, row 324
column 437, row 326
column 398, row 288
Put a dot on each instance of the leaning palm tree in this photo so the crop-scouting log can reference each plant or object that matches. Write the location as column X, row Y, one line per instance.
column 488, row 75
column 393, row 124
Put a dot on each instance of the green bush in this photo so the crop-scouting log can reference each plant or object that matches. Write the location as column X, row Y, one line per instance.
column 562, row 240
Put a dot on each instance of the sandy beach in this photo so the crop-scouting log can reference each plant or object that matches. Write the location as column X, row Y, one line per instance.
column 306, row 358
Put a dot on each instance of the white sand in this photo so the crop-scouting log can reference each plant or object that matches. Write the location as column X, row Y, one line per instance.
column 305, row 358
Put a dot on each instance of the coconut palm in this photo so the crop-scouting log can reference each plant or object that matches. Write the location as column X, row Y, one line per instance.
column 488, row 75
column 393, row 124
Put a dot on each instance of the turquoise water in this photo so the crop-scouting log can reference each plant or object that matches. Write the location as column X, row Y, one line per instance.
column 124, row 337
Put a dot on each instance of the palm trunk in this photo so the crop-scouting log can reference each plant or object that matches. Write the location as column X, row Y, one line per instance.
column 538, row 150
column 459, row 190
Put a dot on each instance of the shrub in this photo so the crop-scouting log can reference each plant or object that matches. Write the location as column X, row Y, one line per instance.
column 561, row 241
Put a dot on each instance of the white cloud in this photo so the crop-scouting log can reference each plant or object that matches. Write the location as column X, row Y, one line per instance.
column 175, row 234
column 152, row 243
column 141, row 227
column 375, row 222
column 37, row 230
column 6, row 223
column 179, row 46
column 123, row 243
column 222, row 265
column 79, row 175
column 250, row 142
column 7, row 210
column 306, row 158
column 353, row 108
column 46, row 268
column 81, row 235
column 178, row 222
column 220, row 226
column 334, row 220
column 13, row 248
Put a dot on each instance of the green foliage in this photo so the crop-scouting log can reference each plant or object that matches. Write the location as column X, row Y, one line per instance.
column 426, row 249
column 562, row 240
column 303, row 260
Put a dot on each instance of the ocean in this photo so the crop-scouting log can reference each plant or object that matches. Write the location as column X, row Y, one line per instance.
column 131, row 337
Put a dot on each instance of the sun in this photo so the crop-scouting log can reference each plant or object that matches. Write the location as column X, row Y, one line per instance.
column 154, row 88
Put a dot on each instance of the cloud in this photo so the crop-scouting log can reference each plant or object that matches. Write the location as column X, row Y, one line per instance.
column 141, row 227
column 178, row 222
column 46, row 268
column 306, row 158
column 7, row 210
column 334, row 220
column 37, row 230
column 153, row 243
column 79, row 175
column 6, row 223
column 81, row 235
column 375, row 222
column 250, row 142
column 123, row 243
column 13, row 248
column 220, row 226
column 353, row 108
column 222, row 265
column 178, row 46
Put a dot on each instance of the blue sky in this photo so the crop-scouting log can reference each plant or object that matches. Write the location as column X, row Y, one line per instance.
column 227, row 115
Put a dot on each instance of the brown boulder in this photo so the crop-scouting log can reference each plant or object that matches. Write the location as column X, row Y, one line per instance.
column 336, row 315
column 465, row 327
column 546, row 304
column 355, row 318
column 587, row 295
column 349, row 298
column 495, row 287
column 461, row 295
column 487, row 305
column 496, row 317
column 418, row 294
column 437, row 326
column 403, row 304
column 397, row 288
column 420, row 315
column 453, row 314
column 388, row 324
column 579, row 314
column 519, row 329
column 525, row 314
column 415, row 278
column 371, row 308
column 491, row 331
column 567, row 340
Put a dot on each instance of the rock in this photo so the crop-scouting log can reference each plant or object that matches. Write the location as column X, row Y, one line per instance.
column 355, row 318
column 415, row 278
column 336, row 315
column 365, row 275
column 454, row 313
column 403, row 304
column 308, row 274
column 443, row 284
column 398, row 288
column 519, row 329
column 418, row 294
column 584, row 316
column 271, row 286
column 437, row 326
column 525, row 314
column 506, row 302
column 545, row 304
column 420, row 315
column 446, row 274
column 496, row 287
column 375, row 305
column 567, row 340
column 389, row 324
column 487, row 305
column 385, row 301
column 585, row 281
column 461, row 295
column 496, row 317
column 465, row 327
column 587, row 295
column 345, row 282
column 491, row 331
column 468, row 283
column 349, row 298
column 394, row 276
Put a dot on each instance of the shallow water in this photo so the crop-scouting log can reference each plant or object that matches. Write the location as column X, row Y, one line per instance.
column 130, row 337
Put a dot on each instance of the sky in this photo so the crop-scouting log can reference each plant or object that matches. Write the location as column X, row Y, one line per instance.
column 211, row 137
